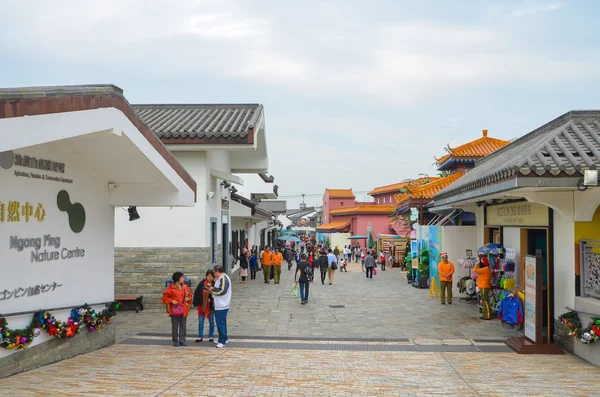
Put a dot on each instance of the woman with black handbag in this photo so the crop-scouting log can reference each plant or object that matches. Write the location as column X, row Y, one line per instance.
column 244, row 265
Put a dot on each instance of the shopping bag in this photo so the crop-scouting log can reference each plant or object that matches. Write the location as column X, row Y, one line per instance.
column 295, row 290
column 374, row 271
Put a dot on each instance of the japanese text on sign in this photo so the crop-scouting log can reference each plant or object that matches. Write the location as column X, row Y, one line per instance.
column 28, row 291
column 13, row 211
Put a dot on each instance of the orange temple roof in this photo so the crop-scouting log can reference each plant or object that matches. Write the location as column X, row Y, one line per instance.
column 394, row 188
column 337, row 225
column 340, row 193
column 480, row 147
column 428, row 190
column 364, row 209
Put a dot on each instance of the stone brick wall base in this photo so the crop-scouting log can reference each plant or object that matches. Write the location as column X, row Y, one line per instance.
column 143, row 271
column 57, row 350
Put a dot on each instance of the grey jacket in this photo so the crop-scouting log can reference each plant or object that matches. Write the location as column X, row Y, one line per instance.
column 369, row 261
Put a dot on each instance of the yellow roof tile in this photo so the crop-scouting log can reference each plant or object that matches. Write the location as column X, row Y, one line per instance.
column 480, row 147
column 337, row 225
column 364, row 209
column 394, row 188
column 428, row 190
column 340, row 193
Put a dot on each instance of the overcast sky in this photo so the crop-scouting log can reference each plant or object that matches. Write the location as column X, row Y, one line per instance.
column 357, row 94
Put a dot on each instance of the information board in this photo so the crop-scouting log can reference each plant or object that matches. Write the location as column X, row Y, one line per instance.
column 531, row 297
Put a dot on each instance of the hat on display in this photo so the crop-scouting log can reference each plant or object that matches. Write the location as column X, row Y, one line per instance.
column 444, row 254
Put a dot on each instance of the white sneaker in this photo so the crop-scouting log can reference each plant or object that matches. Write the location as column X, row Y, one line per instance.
column 220, row 345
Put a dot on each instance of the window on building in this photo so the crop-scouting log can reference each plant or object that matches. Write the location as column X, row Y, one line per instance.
column 342, row 203
column 377, row 200
column 213, row 242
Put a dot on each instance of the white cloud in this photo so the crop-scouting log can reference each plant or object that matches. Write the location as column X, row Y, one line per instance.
column 536, row 9
column 395, row 64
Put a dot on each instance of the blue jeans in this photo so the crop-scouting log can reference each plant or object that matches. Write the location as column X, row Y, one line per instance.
column 303, row 291
column 211, row 325
column 221, row 317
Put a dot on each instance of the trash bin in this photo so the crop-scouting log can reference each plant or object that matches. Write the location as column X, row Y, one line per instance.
column 187, row 282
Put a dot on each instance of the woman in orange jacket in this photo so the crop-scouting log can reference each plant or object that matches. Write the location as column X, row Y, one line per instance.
column 482, row 268
column 178, row 297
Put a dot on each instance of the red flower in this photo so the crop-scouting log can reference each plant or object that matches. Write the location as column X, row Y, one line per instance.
column 52, row 330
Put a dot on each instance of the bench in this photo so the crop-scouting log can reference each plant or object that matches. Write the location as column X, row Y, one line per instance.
column 132, row 298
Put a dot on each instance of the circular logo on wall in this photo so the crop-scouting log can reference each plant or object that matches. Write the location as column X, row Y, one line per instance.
column 7, row 159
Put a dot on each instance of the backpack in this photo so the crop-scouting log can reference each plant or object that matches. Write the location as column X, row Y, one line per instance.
column 308, row 271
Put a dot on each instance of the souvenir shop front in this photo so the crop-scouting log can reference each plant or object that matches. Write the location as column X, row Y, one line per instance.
column 513, row 231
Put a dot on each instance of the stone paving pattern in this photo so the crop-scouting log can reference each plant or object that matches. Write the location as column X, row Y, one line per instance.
column 385, row 307
column 125, row 370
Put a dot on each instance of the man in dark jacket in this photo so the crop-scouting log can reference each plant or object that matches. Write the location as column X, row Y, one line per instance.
column 302, row 277
column 323, row 265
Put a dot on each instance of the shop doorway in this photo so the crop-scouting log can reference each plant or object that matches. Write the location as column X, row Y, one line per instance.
column 536, row 242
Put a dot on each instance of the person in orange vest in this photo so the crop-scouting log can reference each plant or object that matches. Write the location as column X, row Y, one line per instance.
column 446, row 270
column 482, row 268
column 266, row 259
column 277, row 260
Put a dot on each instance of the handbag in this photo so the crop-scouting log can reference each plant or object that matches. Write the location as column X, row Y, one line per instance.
column 334, row 266
column 177, row 309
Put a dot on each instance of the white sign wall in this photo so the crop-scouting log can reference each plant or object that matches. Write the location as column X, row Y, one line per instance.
column 56, row 234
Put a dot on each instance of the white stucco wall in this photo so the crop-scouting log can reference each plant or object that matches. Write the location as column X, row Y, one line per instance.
column 512, row 239
column 74, row 275
column 455, row 241
column 480, row 225
column 564, row 262
column 166, row 226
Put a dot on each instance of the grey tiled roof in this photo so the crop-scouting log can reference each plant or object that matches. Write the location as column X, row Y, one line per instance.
column 565, row 146
column 58, row 91
column 200, row 121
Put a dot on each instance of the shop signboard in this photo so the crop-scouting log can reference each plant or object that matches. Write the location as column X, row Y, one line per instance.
column 431, row 239
column 522, row 213
column 414, row 254
column 56, row 233
column 533, row 294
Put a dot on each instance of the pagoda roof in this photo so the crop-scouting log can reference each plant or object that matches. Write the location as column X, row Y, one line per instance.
column 396, row 187
column 471, row 151
column 384, row 209
column 427, row 191
column 334, row 226
column 340, row 193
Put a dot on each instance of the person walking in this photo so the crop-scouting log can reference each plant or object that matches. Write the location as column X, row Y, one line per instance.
column 303, row 267
column 266, row 259
column 369, row 264
column 312, row 262
column 204, row 302
column 244, row 265
column 178, row 296
column 323, row 265
column 332, row 261
column 446, row 270
column 382, row 260
column 363, row 257
column 277, row 260
column 484, row 279
column 222, row 296
column 253, row 265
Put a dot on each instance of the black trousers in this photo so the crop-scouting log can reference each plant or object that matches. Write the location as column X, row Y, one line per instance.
column 323, row 274
column 252, row 273
column 178, row 332
column 383, row 265
column 369, row 271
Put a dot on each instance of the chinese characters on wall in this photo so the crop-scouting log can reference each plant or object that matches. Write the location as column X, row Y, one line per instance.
column 13, row 211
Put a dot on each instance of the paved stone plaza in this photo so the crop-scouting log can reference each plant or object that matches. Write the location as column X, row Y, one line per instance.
column 389, row 340
column 383, row 308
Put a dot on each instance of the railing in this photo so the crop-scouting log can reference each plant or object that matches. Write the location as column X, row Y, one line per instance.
column 590, row 267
